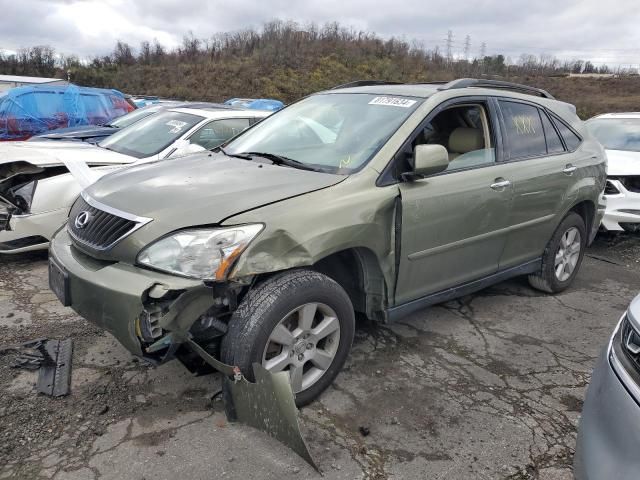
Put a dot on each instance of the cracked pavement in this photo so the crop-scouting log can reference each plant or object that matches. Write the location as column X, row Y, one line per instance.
column 489, row 386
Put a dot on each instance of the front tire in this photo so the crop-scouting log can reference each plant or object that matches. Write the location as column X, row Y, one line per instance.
column 301, row 322
column 562, row 257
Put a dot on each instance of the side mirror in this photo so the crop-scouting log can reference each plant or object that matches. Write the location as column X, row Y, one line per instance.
column 429, row 159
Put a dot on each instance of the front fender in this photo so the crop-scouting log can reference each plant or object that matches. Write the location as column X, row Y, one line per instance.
column 303, row 230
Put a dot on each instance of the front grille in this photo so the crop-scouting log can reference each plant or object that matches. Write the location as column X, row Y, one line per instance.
column 97, row 229
column 630, row 340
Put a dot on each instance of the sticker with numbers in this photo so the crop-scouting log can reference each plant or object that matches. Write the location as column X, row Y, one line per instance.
column 392, row 102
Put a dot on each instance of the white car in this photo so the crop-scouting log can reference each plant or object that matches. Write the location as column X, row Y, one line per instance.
column 619, row 133
column 39, row 181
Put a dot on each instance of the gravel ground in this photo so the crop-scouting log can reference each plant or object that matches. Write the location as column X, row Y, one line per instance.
column 488, row 386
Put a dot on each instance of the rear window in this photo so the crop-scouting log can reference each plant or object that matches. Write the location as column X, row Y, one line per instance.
column 524, row 132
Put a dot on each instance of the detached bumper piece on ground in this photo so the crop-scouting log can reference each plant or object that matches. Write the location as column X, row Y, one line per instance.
column 52, row 358
column 266, row 405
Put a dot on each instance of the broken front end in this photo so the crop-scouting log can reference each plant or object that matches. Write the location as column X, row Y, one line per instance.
column 161, row 317
column 20, row 229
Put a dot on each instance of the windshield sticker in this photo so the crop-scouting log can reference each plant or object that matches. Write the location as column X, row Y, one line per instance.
column 392, row 102
column 177, row 126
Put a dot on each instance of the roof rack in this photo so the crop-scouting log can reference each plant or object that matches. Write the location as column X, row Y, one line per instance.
column 498, row 84
column 365, row 83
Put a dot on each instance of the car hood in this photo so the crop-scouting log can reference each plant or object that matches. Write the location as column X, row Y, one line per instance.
column 621, row 163
column 48, row 154
column 76, row 133
column 202, row 188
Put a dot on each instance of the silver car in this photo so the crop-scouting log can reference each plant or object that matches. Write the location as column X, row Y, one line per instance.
column 609, row 433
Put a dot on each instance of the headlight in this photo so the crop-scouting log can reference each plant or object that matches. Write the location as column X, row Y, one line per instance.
column 204, row 253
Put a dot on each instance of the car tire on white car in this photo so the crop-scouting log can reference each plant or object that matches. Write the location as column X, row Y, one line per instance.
column 301, row 322
column 562, row 257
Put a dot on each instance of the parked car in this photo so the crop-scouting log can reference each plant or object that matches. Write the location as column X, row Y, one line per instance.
column 30, row 110
column 40, row 180
column 370, row 198
column 609, row 433
column 97, row 133
column 620, row 135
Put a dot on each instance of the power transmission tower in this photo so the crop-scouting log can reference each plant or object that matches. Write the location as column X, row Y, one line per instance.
column 449, row 46
column 467, row 46
column 483, row 50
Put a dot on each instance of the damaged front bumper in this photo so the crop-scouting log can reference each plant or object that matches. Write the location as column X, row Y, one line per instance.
column 137, row 306
column 140, row 306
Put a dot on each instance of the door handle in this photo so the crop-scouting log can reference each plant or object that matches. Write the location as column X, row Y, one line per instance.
column 569, row 169
column 500, row 184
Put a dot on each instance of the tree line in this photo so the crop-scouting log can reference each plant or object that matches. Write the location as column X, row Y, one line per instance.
column 283, row 59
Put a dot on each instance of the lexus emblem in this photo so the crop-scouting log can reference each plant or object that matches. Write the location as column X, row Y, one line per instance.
column 82, row 219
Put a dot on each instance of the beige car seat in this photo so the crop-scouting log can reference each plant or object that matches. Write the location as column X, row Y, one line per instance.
column 464, row 140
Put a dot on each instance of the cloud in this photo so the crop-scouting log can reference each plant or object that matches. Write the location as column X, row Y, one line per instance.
column 590, row 29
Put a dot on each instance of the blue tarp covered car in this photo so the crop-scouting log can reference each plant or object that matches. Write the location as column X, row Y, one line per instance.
column 31, row 110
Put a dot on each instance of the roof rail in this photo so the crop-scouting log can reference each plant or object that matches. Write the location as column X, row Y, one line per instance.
column 365, row 83
column 498, row 84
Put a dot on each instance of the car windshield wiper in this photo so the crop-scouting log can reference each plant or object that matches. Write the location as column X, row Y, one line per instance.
column 280, row 160
column 234, row 155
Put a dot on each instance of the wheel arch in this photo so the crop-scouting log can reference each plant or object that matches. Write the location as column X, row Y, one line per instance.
column 587, row 210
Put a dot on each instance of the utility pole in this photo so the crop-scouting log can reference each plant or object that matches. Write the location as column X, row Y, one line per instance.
column 467, row 47
column 449, row 46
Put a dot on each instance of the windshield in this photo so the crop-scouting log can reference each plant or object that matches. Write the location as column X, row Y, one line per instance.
column 133, row 117
column 151, row 135
column 616, row 133
column 333, row 132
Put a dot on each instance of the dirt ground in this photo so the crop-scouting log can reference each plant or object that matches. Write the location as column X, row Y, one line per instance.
column 486, row 387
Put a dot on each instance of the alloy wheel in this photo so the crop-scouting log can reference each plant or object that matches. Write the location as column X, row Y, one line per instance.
column 568, row 254
column 304, row 344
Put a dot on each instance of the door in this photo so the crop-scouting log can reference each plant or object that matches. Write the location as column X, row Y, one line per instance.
column 542, row 174
column 454, row 223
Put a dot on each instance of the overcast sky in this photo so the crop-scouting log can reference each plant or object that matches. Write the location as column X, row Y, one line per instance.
column 603, row 31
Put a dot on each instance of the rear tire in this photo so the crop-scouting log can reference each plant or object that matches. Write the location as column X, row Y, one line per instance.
column 301, row 322
column 562, row 257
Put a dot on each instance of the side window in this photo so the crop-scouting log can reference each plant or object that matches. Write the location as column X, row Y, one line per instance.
column 217, row 132
column 524, row 133
column 554, row 144
column 571, row 140
column 465, row 132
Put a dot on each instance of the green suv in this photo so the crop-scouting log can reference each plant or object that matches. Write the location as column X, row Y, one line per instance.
column 371, row 198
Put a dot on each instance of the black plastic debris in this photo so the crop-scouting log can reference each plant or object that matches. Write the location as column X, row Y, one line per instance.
column 54, row 378
column 51, row 357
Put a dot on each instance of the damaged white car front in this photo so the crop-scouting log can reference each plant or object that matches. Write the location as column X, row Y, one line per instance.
column 37, row 190
column 619, row 133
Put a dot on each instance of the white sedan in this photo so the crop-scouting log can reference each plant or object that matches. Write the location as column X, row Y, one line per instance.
column 39, row 181
column 619, row 133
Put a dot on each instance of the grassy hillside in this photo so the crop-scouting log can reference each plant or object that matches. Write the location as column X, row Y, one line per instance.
column 287, row 61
